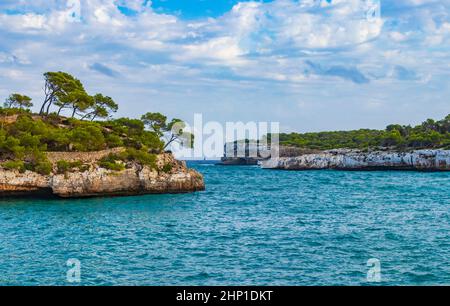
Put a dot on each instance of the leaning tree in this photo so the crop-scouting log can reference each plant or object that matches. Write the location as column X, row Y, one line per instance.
column 64, row 91
column 18, row 101
column 102, row 107
column 173, row 131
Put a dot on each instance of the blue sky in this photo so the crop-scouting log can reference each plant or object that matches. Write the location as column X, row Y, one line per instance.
column 309, row 64
column 192, row 9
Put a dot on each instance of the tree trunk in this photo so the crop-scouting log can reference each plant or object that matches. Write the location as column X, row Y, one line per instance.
column 87, row 115
column 48, row 108
column 42, row 108
column 172, row 139
column 60, row 109
column 48, row 98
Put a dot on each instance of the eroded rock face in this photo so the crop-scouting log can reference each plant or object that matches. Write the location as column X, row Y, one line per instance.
column 420, row 160
column 13, row 183
column 101, row 182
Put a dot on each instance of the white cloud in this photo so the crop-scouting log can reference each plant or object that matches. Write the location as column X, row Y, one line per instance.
column 23, row 23
column 397, row 36
column 440, row 35
column 249, row 27
column 225, row 50
column 255, row 48
column 6, row 58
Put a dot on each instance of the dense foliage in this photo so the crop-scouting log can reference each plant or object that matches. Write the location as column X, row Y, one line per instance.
column 30, row 136
column 125, row 159
column 18, row 101
column 429, row 134
column 25, row 137
column 174, row 129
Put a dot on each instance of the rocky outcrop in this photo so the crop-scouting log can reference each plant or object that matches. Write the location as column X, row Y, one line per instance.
column 256, row 156
column 28, row 183
column 420, row 160
column 101, row 182
column 238, row 161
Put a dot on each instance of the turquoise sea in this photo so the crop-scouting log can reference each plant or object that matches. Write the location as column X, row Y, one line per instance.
column 251, row 226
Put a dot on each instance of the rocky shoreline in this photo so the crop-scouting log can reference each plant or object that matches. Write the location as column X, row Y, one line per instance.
column 238, row 161
column 418, row 160
column 97, row 181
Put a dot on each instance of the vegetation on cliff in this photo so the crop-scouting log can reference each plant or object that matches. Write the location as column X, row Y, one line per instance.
column 429, row 134
column 71, row 120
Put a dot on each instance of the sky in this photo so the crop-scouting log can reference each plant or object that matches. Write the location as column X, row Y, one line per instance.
column 312, row 65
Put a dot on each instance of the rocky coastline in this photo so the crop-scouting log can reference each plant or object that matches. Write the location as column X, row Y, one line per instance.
column 342, row 159
column 99, row 182
column 239, row 161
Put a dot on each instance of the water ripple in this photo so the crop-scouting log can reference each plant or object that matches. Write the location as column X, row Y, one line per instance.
column 250, row 227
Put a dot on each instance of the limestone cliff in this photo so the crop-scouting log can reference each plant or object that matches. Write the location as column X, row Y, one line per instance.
column 97, row 181
column 419, row 160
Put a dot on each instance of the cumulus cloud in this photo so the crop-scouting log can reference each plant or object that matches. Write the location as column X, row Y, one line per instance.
column 7, row 58
column 255, row 27
column 251, row 32
column 253, row 46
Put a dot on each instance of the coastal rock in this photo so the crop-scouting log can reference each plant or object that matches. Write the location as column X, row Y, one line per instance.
column 15, row 183
column 238, row 161
column 419, row 160
column 101, row 182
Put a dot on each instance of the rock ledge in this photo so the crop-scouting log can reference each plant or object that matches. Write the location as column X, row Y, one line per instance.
column 101, row 182
column 419, row 160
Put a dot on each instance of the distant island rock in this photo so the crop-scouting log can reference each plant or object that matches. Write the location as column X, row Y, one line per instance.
column 345, row 159
column 94, row 181
column 243, row 153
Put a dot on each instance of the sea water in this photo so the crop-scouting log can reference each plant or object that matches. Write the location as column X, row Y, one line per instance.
column 251, row 226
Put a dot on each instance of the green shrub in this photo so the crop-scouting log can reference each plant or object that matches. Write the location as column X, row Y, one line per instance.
column 53, row 118
column 112, row 162
column 26, row 124
column 56, row 140
column 43, row 167
column 142, row 157
column 38, row 162
column 14, row 165
column 13, row 111
column 152, row 141
column 167, row 168
column 29, row 141
column 55, row 133
column 130, row 127
column 113, row 141
column 87, row 138
column 115, row 166
column 63, row 166
column 111, row 158
column 11, row 145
